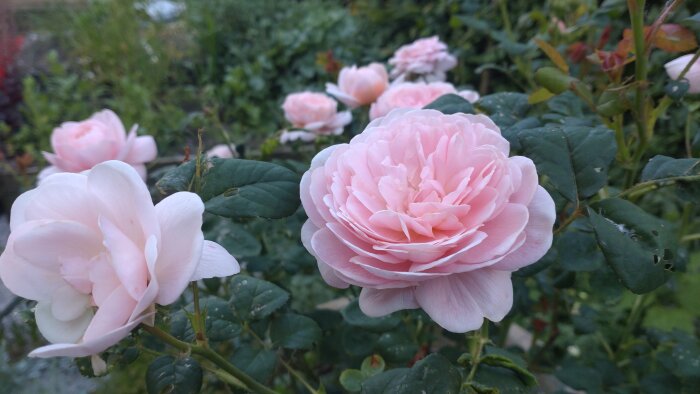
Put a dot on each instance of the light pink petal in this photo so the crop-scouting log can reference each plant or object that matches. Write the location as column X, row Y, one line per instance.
column 528, row 183
column 60, row 163
column 50, row 170
column 25, row 279
column 538, row 233
column 180, row 249
column 149, row 296
column 112, row 314
column 113, row 125
column 459, row 303
column 88, row 348
column 290, row 136
column 127, row 259
column 59, row 331
column 19, row 212
column 125, row 200
column 343, row 97
column 61, row 197
column 45, row 243
column 329, row 250
column 375, row 303
column 215, row 262
column 143, row 150
column 68, row 304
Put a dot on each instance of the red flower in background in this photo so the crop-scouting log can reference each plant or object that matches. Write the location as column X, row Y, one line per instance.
column 9, row 48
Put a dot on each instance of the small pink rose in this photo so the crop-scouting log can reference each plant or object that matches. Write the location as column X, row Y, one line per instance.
column 315, row 113
column 427, row 57
column 426, row 210
column 414, row 95
column 97, row 255
column 79, row 146
column 675, row 67
column 359, row 86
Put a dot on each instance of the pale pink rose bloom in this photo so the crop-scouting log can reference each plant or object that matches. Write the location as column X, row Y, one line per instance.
column 426, row 210
column 97, row 255
column 409, row 95
column 315, row 113
column 427, row 57
column 79, row 146
column 359, row 86
column 222, row 151
column 675, row 67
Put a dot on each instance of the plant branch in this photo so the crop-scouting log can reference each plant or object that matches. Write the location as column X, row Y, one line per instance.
column 205, row 352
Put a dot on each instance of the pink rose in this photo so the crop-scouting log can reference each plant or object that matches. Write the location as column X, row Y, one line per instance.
column 359, row 86
column 675, row 67
column 426, row 210
column 315, row 113
column 79, row 146
column 413, row 95
column 426, row 57
column 97, row 255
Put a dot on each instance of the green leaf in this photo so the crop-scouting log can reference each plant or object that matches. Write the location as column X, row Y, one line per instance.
column 236, row 188
column 256, row 362
column 660, row 167
column 354, row 316
column 351, row 380
column 497, row 360
column 178, row 179
column 397, row 347
column 432, row 375
column 692, row 22
column 293, row 331
column 580, row 377
column 451, row 104
column 373, row 365
column 639, row 247
column 220, row 323
column 253, row 298
column 578, row 251
column 238, row 241
column 505, row 109
column 168, row 374
column 574, row 158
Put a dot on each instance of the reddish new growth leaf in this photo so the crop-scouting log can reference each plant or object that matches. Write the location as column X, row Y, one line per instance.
column 671, row 37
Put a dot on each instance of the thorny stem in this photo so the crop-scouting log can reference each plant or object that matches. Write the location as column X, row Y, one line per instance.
column 198, row 322
column 632, row 320
column 646, row 187
column 286, row 365
column 205, row 352
column 481, row 338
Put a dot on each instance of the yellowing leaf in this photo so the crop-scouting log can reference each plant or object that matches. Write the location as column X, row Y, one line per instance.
column 539, row 95
column 553, row 55
column 674, row 38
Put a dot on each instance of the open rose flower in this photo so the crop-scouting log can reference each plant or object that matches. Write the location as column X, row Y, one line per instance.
column 79, row 146
column 427, row 57
column 675, row 67
column 426, row 210
column 314, row 113
column 97, row 255
column 415, row 95
column 359, row 86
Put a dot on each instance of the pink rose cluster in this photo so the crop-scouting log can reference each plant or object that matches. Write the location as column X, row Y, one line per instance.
column 427, row 57
column 79, row 146
column 419, row 71
column 97, row 255
column 426, row 210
